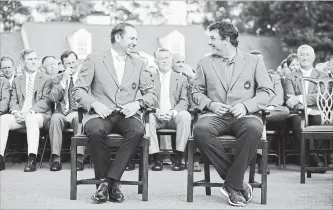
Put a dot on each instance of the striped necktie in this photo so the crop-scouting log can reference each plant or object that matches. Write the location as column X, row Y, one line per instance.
column 29, row 93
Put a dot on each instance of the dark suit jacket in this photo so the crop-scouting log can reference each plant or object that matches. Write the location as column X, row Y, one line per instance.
column 278, row 99
column 4, row 95
column 250, row 83
column 42, row 88
column 98, row 75
column 177, row 92
column 293, row 86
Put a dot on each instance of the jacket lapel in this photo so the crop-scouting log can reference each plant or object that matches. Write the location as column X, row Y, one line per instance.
column 173, row 87
column 37, row 82
column 298, row 80
column 220, row 72
column 108, row 62
column 156, row 78
column 129, row 68
column 312, row 86
column 238, row 68
column 22, row 84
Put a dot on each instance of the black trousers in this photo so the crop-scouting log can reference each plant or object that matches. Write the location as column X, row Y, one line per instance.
column 294, row 123
column 248, row 131
column 97, row 130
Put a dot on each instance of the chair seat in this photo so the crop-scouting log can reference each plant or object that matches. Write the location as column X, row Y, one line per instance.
column 319, row 128
column 68, row 130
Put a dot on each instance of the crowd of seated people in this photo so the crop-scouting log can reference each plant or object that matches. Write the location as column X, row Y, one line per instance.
column 39, row 95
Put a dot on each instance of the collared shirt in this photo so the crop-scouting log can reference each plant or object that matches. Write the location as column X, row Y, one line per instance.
column 165, row 103
column 11, row 80
column 27, row 77
column 119, row 64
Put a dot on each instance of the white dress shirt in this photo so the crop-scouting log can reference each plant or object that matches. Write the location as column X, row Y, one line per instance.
column 165, row 104
column 11, row 80
column 119, row 64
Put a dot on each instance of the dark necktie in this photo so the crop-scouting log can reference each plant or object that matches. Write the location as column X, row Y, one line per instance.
column 71, row 99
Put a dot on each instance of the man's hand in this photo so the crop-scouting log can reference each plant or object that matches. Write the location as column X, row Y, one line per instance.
column 187, row 70
column 130, row 109
column 218, row 108
column 168, row 115
column 66, row 75
column 17, row 116
column 270, row 108
column 239, row 110
column 102, row 110
column 292, row 101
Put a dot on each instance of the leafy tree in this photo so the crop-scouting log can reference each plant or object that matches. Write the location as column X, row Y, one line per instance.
column 12, row 15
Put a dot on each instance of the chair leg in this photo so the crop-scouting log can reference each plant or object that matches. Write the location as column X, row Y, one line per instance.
column 73, row 192
column 145, row 170
column 140, row 170
column 264, row 160
column 279, row 151
column 207, row 175
column 283, row 154
column 44, row 147
column 307, row 156
column 252, row 170
column 303, row 153
column 190, row 148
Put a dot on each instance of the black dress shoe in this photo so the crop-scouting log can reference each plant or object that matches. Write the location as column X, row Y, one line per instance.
column 2, row 163
column 79, row 166
column 31, row 165
column 56, row 166
column 102, row 193
column 130, row 166
column 157, row 166
column 115, row 195
column 178, row 166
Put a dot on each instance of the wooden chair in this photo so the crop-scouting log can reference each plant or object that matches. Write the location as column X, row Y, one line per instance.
column 324, row 131
column 113, row 140
column 228, row 142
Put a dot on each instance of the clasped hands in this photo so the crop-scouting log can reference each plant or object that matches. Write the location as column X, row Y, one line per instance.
column 164, row 116
column 20, row 116
column 128, row 110
column 238, row 110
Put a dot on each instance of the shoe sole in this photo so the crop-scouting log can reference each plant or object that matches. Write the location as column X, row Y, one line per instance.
column 226, row 194
column 115, row 200
column 97, row 201
column 250, row 193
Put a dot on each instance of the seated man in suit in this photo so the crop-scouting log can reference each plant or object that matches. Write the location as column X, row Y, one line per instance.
column 114, row 77
column 4, row 106
column 230, row 87
column 65, row 114
column 171, row 90
column 30, row 106
column 50, row 65
column 7, row 68
column 294, row 96
column 278, row 112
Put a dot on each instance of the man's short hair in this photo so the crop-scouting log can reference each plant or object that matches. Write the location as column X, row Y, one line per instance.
column 255, row 52
column 305, row 46
column 291, row 57
column 25, row 52
column 226, row 29
column 161, row 49
column 6, row 58
column 120, row 30
column 67, row 53
column 46, row 57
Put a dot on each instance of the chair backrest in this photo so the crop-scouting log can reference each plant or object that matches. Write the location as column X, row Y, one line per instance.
column 324, row 98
